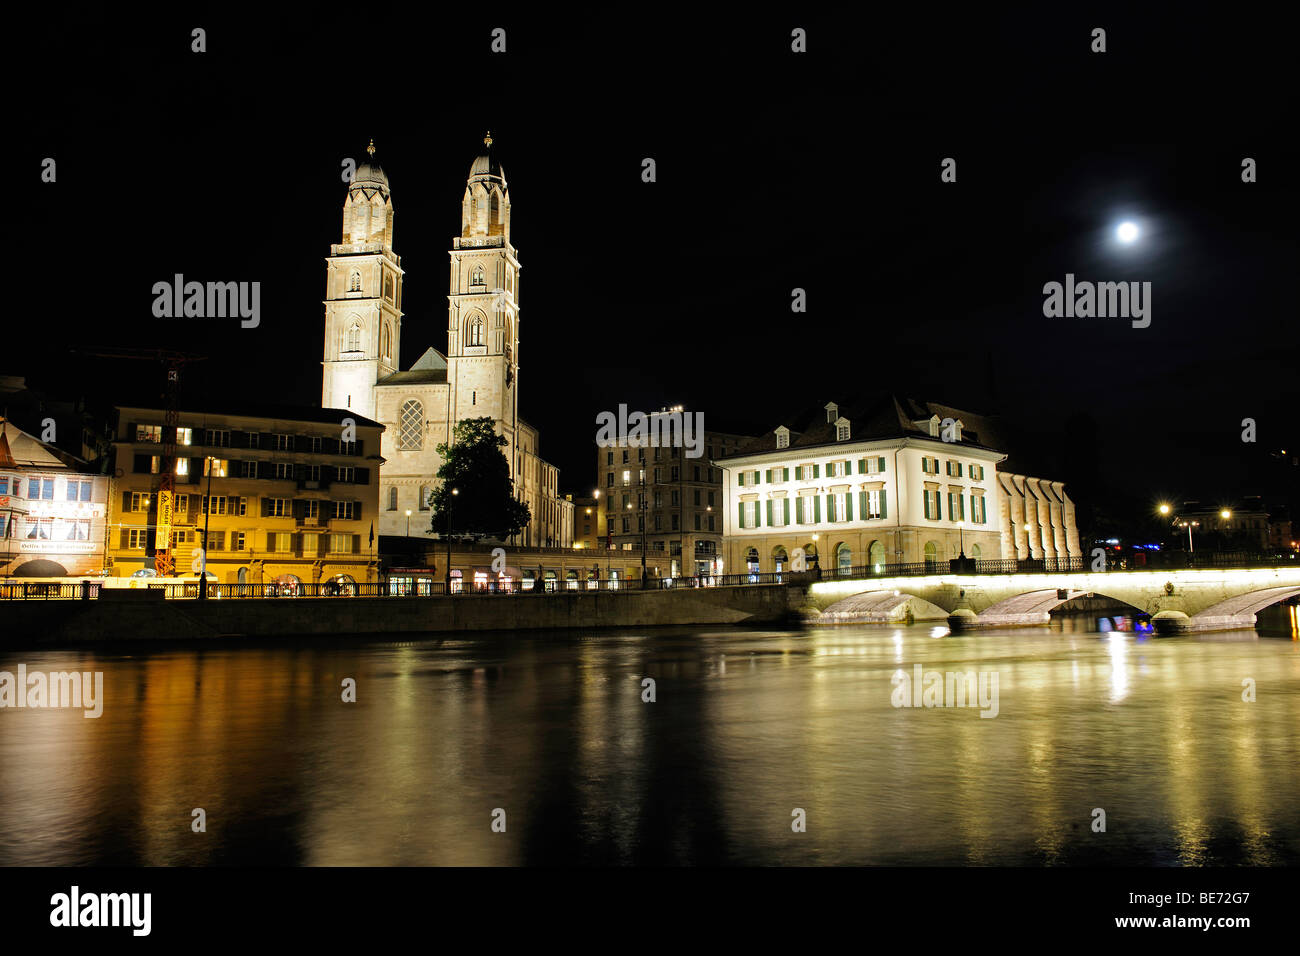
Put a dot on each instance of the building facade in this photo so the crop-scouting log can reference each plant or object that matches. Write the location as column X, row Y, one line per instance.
column 477, row 377
column 288, row 496
column 53, row 510
column 892, row 481
column 670, row 501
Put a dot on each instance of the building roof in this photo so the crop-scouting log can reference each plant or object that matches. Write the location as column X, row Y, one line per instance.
column 21, row 450
column 432, row 376
column 485, row 166
column 873, row 417
column 369, row 174
column 286, row 413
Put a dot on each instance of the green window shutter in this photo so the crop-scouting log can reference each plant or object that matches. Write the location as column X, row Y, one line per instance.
column 958, row 469
column 830, row 507
column 798, row 510
column 884, row 499
column 741, row 515
column 787, row 510
column 769, row 476
column 938, row 507
column 740, row 478
column 881, row 460
column 817, row 471
column 817, row 508
column 864, row 505
column 862, row 466
column 785, row 474
column 769, row 511
column 757, row 476
column 758, row 515
column 848, row 506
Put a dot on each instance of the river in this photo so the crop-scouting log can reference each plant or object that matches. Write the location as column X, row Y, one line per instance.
column 549, row 737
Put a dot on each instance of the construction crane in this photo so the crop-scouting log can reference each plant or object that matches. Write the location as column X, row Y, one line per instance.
column 172, row 361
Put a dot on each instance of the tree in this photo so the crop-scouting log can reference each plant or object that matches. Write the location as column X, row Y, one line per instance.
column 474, row 465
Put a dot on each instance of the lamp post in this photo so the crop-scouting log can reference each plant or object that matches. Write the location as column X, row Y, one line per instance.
column 961, row 540
column 408, row 522
column 207, row 521
column 452, row 498
column 1189, row 525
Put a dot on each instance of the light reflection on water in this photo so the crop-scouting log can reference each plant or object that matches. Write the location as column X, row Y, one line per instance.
column 746, row 727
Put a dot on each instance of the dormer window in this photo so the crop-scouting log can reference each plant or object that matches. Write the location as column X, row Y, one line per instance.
column 842, row 429
column 832, row 411
column 783, row 437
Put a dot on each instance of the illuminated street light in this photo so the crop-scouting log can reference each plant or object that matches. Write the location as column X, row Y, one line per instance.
column 1164, row 509
column 1127, row 232
column 408, row 522
column 1225, row 513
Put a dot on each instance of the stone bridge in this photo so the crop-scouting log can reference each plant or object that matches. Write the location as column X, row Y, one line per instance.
column 1177, row 600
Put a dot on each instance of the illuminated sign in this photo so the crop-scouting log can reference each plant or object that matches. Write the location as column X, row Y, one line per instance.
column 163, row 536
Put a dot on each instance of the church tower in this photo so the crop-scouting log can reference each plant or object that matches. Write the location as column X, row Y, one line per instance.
column 482, row 305
column 363, row 296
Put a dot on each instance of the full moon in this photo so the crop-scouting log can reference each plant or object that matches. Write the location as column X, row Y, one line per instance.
column 1127, row 232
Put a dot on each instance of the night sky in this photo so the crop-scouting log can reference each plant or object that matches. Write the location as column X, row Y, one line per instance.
column 775, row 171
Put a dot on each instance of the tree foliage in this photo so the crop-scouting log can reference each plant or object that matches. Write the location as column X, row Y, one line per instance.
column 475, row 466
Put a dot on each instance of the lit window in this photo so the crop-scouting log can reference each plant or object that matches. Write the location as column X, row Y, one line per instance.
column 411, row 426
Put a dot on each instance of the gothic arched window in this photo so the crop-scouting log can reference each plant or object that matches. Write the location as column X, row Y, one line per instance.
column 426, row 495
column 352, row 338
column 386, row 347
column 478, row 275
column 392, row 499
column 474, row 334
column 410, row 433
column 354, row 281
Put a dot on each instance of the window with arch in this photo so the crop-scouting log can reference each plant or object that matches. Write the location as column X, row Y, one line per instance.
column 426, row 497
column 392, row 499
column 410, row 428
column 876, row 555
column 844, row 557
column 352, row 338
column 478, row 276
column 354, row 281
column 386, row 343
column 474, row 332
column 931, row 552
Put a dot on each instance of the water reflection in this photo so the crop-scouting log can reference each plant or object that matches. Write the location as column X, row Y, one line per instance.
column 744, row 727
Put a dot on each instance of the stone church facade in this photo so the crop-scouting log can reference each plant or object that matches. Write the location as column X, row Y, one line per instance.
column 477, row 376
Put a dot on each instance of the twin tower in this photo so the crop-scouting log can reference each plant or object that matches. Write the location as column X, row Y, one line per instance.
column 478, row 374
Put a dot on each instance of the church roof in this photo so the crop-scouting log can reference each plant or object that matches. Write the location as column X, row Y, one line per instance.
column 370, row 175
column 432, row 376
column 429, row 368
column 485, row 164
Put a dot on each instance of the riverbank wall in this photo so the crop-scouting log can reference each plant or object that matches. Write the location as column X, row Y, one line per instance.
column 57, row 623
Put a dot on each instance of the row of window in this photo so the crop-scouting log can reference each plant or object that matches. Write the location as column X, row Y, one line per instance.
column 701, row 499
column 702, row 523
column 252, row 468
column 933, row 507
column 808, row 472
column 140, row 502
column 673, row 452
column 44, row 529
column 953, row 469
column 43, row 489
column 226, row 438
column 674, row 475
column 839, row 507
column 278, row 542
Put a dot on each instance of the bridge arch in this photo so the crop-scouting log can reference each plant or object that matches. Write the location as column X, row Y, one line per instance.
column 1036, row 607
column 879, row 607
column 1240, row 610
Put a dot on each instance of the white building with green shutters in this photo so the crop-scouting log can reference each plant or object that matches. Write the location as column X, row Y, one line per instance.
column 876, row 483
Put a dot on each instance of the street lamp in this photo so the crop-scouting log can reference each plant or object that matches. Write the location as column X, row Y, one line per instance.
column 408, row 522
column 1189, row 525
column 961, row 542
column 454, row 493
